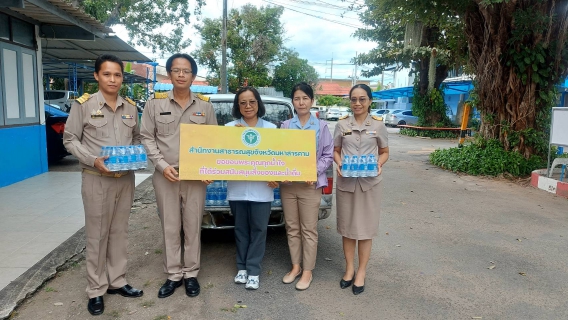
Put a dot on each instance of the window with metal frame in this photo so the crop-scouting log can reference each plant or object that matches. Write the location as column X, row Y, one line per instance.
column 18, row 85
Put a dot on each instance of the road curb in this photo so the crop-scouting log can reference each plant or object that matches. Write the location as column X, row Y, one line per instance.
column 541, row 181
column 31, row 280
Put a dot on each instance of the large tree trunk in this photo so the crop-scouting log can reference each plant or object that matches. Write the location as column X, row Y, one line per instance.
column 508, row 105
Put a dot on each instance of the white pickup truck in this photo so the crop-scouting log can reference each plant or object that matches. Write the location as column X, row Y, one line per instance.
column 217, row 214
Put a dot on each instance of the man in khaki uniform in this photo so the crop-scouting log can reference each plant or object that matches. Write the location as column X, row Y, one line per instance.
column 104, row 119
column 161, row 136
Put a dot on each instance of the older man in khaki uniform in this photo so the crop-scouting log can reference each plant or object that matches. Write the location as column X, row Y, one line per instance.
column 180, row 203
column 104, row 119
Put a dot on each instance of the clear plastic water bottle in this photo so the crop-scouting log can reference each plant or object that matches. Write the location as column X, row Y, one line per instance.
column 209, row 195
column 105, row 151
column 122, row 158
column 363, row 166
column 219, row 192
column 113, row 164
column 142, row 157
column 354, row 165
column 225, row 202
column 277, row 201
column 345, row 167
column 214, row 195
column 133, row 163
column 372, row 166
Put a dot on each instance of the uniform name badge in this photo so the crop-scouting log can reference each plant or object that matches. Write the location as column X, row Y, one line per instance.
column 127, row 116
column 372, row 132
column 347, row 133
column 97, row 114
column 199, row 114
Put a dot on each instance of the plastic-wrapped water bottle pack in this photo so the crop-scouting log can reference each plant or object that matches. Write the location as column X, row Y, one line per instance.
column 122, row 158
column 359, row 166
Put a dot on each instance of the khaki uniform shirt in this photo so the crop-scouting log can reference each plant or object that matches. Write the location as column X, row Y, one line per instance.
column 92, row 124
column 160, row 127
column 355, row 139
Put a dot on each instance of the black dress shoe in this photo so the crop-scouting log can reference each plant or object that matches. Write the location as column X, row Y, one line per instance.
column 168, row 288
column 127, row 291
column 346, row 283
column 192, row 287
column 96, row 306
column 357, row 290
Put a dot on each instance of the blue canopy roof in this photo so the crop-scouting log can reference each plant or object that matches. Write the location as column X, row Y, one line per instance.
column 459, row 87
column 196, row 89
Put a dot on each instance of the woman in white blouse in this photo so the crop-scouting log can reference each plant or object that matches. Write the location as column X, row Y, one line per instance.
column 250, row 201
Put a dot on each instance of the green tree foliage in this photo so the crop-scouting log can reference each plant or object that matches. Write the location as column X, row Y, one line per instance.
column 409, row 33
column 329, row 100
column 156, row 24
column 517, row 51
column 291, row 70
column 254, row 42
column 422, row 35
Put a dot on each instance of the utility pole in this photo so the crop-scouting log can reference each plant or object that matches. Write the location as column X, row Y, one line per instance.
column 331, row 69
column 331, row 79
column 224, row 78
column 354, row 80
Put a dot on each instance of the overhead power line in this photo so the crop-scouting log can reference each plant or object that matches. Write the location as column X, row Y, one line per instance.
column 319, row 17
column 285, row 5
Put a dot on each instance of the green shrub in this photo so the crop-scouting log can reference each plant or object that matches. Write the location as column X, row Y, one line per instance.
column 486, row 157
column 434, row 134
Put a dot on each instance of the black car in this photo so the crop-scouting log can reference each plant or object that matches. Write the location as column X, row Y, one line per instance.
column 55, row 120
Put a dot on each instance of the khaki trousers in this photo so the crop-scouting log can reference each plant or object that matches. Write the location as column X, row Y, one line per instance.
column 300, row 203
column 107, row 202
column 180, row 205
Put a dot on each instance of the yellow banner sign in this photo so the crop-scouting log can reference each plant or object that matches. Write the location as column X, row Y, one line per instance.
column 238, row 153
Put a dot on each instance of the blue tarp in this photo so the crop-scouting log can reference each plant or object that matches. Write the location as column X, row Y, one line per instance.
column 461, row 87
column 196, row 89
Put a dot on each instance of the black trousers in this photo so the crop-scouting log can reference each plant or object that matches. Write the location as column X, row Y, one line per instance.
column 251, row 223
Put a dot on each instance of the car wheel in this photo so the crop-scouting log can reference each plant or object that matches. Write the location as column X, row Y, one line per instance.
column 401, row 123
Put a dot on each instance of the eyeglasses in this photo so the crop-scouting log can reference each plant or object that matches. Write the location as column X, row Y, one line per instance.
column 361, row 100
column 177, row 71
column 252, row 103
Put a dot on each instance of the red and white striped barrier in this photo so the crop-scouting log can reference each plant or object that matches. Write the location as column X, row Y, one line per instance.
column 541, row 181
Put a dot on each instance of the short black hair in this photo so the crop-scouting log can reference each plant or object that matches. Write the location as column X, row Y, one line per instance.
column 306, row 88
column 184, row 56
column 107, row 57
column 367, row 89
column 364, row 87
column 237, row 112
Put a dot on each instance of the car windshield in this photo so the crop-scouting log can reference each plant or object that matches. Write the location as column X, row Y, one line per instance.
column 397, row 111
column 54, row 112
column 333, row 110
column 275, row 112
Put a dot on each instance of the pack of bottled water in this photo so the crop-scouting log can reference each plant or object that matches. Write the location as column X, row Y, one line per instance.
column 216, row 194
column 122, row 158
column 277, row 202
column 354, row 166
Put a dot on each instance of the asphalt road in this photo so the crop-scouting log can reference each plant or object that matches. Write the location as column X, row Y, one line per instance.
column 449, row 247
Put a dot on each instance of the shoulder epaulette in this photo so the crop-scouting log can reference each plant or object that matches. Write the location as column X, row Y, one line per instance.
column 83, row 98
column 377, row 118
column 202, row 97
column 160, row 95
column 344, row 117
column 130, row 101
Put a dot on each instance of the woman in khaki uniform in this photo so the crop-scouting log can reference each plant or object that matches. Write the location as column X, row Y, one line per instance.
column 359, row 199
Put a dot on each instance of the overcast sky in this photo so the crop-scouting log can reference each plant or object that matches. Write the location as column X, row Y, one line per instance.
column 315, row 39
